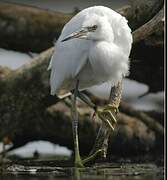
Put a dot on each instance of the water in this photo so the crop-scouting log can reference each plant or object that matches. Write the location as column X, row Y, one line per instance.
column 144, row 177
column 103, row 171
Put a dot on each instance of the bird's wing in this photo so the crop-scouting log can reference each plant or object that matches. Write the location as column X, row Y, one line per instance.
column 67, row 61
column 69, row 57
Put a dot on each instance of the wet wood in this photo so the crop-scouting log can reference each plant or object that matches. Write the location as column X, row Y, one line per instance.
column 143, row 10
column 149, row 121
column 156, row 23
column 26, row 28
column 25, row 105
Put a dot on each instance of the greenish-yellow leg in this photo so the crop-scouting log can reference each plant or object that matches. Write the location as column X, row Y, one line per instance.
column 106, row 114
column 77, row 160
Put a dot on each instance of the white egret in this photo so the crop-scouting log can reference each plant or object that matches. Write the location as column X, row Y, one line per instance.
column 93, row 48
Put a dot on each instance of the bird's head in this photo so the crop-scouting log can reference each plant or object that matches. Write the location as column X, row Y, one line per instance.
column 93, row 28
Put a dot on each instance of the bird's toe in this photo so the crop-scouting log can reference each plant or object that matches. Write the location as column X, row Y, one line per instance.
column 107, row 115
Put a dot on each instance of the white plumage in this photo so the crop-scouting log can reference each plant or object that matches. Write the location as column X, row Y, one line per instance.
column 99, row 55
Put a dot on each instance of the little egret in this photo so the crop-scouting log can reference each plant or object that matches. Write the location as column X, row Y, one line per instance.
column 93, row 48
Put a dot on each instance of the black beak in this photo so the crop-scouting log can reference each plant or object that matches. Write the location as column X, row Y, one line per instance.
column 82, row 34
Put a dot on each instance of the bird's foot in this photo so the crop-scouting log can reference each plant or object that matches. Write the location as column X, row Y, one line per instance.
column 92, row 156
column 78, row 163
column 107, row 114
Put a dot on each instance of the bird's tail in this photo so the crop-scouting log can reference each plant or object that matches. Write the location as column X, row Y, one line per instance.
column 63, row 95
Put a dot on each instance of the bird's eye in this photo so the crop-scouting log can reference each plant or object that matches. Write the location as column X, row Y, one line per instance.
column 94, row 27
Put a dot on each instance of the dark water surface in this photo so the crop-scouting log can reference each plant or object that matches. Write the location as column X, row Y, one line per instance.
column 102, row 171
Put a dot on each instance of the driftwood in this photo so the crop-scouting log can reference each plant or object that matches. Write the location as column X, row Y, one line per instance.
column 25, row 28
column 23, row 107
column 149, row 121
column 24, row 115
column 143, row 10
column 156, row 23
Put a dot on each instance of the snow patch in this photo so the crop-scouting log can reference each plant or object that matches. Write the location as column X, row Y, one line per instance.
column 42, row 147
column 13, row 59
column 132, row 90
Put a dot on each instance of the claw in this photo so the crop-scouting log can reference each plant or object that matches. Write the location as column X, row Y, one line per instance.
column 106, row 121
column 112, row 108
column 106, row 114
column 111, row 114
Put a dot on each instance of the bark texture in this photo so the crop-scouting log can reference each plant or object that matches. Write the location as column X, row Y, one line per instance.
column 26, row 28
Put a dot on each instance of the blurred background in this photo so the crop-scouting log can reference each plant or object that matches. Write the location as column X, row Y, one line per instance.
column 72, row 5
column 32, row 126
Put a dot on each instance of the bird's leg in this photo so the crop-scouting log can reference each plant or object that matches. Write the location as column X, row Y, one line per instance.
column 101, row 143
column 87, row 100
column 104, row 131
column 77, row 160
column 106, row 113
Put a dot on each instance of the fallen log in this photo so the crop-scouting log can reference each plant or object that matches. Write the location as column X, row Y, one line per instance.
column 148, row 50
column 149, row 121
column 55, row 126
column 143, row 10
column 23, row 107
column 155, row 24
column 24, row 28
